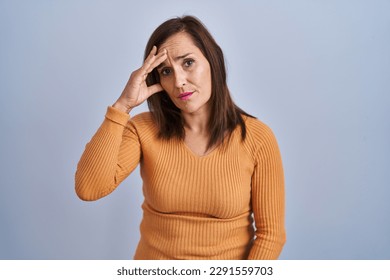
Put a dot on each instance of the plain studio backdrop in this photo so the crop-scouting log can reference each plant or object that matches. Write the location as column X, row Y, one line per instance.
column 317, row 72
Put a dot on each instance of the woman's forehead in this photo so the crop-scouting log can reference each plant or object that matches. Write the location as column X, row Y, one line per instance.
column 179, row 43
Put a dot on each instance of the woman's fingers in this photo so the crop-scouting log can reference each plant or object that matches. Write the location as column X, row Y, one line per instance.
column 149, row 59
column 154, row 89
column 153, row 60
column 159, row 58
column 136, row 91
column 152, row 53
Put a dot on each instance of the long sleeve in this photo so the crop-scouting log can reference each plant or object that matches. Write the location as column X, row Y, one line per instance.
column 111, row 155
column 194, row 207
column 268, row 201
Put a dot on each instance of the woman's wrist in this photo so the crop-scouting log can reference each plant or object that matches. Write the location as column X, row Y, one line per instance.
column 118, row 105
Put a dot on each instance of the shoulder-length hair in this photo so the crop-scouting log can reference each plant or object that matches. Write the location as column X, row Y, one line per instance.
column 225, row 115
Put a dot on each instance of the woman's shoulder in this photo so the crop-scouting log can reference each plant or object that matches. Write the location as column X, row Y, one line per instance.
column 256, row 128
column 258, row 134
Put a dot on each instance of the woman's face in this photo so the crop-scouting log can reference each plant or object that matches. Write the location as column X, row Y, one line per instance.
column 185, row 75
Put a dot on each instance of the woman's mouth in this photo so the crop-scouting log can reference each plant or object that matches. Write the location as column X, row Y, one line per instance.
column 185, row 95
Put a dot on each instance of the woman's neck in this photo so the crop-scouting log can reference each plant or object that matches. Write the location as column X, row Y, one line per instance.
column 197, row 122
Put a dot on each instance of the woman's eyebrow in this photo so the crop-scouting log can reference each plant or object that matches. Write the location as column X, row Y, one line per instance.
column 181, row 56
column 175, row 59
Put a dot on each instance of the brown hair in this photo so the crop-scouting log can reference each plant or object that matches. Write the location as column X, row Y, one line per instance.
column 225, row 115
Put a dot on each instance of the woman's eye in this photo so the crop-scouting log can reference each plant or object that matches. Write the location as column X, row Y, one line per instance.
column 165, row 71
column 188, row 62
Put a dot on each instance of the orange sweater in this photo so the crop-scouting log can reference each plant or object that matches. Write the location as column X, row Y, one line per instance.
column 194, row 207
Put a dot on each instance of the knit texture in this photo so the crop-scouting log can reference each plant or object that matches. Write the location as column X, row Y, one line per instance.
column 228, row 204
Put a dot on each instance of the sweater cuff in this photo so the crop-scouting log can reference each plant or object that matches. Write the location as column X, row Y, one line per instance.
column 117, row 116
column 115, row 121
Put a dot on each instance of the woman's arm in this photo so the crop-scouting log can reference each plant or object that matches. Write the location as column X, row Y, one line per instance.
column 114, row 151
column 268, row 202
column 111, row 155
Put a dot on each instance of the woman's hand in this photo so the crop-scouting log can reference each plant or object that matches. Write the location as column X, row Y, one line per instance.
column 136, row 90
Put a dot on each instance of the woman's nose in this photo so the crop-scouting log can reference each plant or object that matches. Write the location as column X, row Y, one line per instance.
column 180, row 78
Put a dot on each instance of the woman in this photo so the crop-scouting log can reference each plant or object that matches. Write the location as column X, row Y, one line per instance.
column 210, row 171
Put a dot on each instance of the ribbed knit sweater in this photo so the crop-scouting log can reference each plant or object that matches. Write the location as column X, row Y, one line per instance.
column 228, row 204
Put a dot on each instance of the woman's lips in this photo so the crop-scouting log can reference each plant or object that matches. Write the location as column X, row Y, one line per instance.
column 185, row 95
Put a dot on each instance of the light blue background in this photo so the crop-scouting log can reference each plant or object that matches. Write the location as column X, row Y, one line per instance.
column 317, row 72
